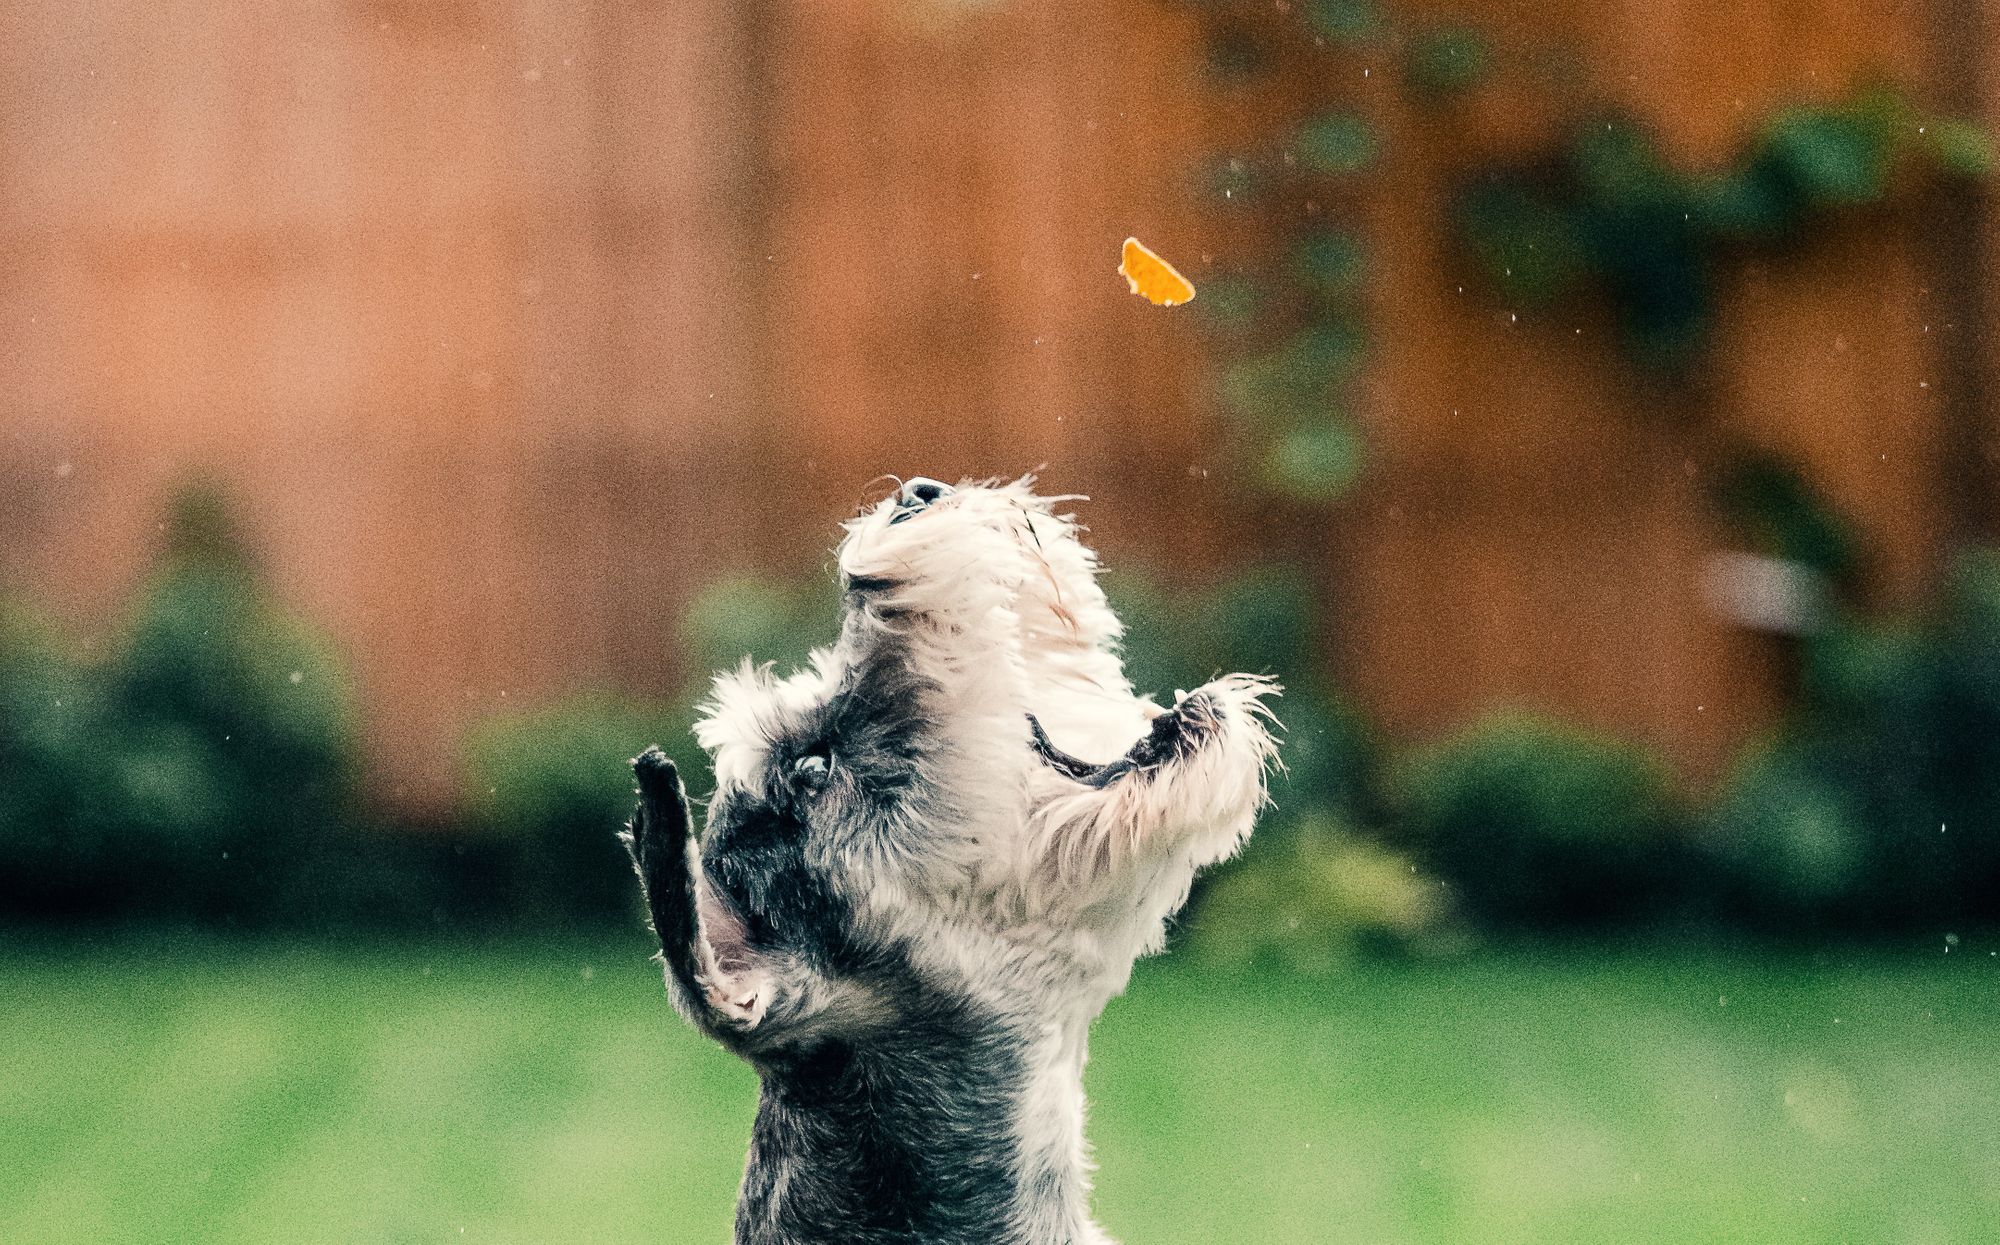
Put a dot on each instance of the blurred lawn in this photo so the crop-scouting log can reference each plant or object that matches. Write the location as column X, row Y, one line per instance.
column 529, row 1094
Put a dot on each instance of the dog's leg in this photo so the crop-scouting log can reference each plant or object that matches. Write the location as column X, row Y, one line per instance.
column 711, row 975
column 1188, row 789
column 659, row 838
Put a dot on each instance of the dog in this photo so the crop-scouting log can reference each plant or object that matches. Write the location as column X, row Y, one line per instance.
column 931, row 857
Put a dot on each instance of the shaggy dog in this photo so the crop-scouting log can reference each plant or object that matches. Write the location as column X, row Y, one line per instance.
column 930, row 859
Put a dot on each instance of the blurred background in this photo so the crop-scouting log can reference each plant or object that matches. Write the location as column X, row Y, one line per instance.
column 1589, row 412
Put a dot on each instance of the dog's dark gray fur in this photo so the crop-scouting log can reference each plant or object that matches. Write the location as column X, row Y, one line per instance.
column 900, row 1139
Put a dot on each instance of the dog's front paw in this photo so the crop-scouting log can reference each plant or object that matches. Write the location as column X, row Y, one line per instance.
column 1181, row 730
column 657, row 835
column 1217, row 713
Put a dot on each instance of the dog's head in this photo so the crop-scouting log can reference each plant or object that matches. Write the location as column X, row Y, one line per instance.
column 983, row 565
column 964, row 783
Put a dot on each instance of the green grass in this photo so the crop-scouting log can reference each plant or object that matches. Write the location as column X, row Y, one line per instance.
column 220, row 1093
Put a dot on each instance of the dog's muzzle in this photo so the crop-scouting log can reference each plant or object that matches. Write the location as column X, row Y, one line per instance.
column 916, row 495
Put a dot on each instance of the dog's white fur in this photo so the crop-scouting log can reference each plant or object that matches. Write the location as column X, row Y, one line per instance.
column 1036, row 891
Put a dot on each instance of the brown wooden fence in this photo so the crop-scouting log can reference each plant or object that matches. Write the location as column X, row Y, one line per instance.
column 1535, row 528
column 516, row 323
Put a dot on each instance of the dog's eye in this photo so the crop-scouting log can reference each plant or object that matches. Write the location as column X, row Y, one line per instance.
column 812, row 770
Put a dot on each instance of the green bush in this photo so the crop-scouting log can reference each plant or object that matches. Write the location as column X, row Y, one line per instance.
column 744, row 615
column 198, row 770
column 1310, row 889
column 1791, row 844
column 1606, row 211
column 1879, row 802
column 48, row 703
column 225, row 752
column 555, row 785
column 1310, row 894
column 1261, row 622
column 205, row 769
column 1540, row 823
column 1966, row 739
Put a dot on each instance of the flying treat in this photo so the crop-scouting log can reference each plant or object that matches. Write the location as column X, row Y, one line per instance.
column 1153, row 278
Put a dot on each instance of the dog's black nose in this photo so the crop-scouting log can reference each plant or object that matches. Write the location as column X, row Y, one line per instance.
column 922, row 492
column 916, row 494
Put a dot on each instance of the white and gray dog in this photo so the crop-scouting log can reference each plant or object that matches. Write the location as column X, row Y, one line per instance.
column 931, row 858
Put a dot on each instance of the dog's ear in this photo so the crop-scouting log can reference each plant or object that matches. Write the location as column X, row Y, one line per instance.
column 716, row 980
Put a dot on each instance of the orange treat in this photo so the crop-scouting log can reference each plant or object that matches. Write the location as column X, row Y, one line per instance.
column 1153, row 278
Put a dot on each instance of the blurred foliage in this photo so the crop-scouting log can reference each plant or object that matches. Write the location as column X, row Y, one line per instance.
column 554, row 783
column 1879, row 802
column 1311, row 888
column 48, row 708
column 1316, row 462
column 766, row 620
column 197, row 768
column 1533, row 822
column 234, row 739
column 1445, row 62
column 1604, row 212
column 204, row 769
column 1337, row 143
column 1331, row 265
column 1599, row 212
column 1261, row 622
column 1772, row 506
column 1310, row 893
column 1540, row 823
column 1289, row 398
column 1348, row 22
column 1297, row 332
